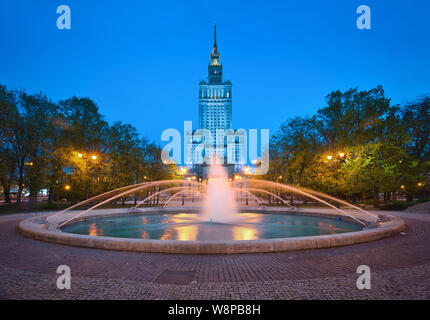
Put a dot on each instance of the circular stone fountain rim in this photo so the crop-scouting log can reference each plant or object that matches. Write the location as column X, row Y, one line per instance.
column 38, row 228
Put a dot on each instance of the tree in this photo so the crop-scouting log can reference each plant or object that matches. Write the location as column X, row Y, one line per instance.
column 352, row 117
column 58, row 153
column 416, row 124
column 292, row 149
column 15, row 134
column 375, row 167
column 357, row 143
column 86, row 134
column 7, row 170
column 125, row 153
column 7, row 157
column 36, row 112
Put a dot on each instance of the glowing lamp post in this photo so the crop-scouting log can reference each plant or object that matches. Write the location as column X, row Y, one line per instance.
column 183, row 171
column 247, row 172
column 87, row 158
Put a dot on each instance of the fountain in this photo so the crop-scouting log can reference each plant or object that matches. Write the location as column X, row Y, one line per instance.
column 219, row 205
column 213, row 216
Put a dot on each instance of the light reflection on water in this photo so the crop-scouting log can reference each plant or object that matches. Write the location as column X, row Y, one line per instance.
column 188, row 227
column 245, row 233
column 94, row 231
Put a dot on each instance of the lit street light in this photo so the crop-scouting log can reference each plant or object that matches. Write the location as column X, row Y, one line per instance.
column 247, row 172
column 183, row 170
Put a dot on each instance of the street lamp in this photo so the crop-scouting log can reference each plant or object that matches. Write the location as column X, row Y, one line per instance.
column 67, row 187
column 329, row 157
column 182, row 172
column 87, row 158
column 247, row 172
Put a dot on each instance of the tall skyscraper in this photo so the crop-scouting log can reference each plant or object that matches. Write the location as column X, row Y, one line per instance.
column 215, row 110
column 215, row 113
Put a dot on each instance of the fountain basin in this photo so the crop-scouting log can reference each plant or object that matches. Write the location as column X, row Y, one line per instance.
column 189, row 227
column 38, row 228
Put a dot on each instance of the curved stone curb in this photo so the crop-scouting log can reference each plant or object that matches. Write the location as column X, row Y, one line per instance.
column 39, row 229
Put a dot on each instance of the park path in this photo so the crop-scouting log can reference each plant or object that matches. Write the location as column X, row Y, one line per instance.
column 423, row 208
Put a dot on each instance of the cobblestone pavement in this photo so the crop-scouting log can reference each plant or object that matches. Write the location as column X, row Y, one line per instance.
column 420, row 208
column 400, row 270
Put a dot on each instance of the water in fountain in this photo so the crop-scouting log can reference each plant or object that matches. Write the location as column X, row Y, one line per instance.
column 219, row 204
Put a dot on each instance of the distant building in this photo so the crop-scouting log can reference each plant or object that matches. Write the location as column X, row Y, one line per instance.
column 215, row 119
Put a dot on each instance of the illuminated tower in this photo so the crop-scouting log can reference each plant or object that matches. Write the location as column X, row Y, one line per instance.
column 215, row 113
column 215, row 110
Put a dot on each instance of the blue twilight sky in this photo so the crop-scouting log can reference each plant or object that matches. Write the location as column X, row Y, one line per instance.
column 141, row 60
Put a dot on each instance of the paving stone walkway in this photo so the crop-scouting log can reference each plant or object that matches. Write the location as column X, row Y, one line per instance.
column 420, row 208
column 400, row 270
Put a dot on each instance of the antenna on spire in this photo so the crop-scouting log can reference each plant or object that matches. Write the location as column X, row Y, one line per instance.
column 215, row 46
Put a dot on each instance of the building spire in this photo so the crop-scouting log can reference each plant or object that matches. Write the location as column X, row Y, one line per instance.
column 215, row 49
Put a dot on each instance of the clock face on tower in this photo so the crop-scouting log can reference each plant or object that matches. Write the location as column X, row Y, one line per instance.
column 215, row 69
